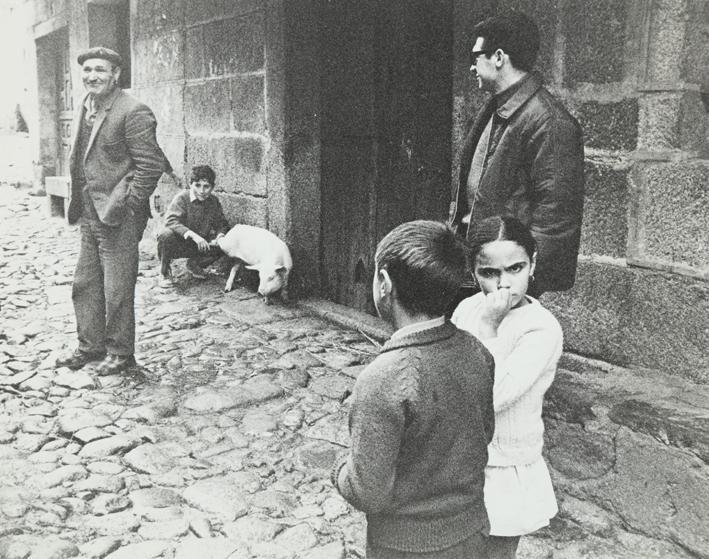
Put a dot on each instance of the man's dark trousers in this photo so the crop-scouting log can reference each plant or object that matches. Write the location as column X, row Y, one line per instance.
column 171, row 246
column 104, row 283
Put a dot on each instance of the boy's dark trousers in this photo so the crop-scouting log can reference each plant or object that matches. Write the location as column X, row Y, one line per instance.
column 171, row 246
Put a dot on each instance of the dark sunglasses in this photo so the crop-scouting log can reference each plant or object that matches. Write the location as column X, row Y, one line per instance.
column 474, row 54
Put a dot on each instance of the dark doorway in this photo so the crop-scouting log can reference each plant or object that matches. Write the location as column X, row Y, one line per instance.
column 386, row 99
column 109, row 26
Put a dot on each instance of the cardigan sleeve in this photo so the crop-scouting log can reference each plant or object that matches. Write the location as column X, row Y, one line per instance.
column 519, row 368
column 366, row 479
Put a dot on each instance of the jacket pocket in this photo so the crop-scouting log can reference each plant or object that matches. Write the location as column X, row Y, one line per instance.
column 115, row 151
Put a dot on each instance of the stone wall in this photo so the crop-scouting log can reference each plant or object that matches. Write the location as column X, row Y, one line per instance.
column 225, row 110
column 627, row 447
column 635, row 76
column 219, row 92
column 214, row 73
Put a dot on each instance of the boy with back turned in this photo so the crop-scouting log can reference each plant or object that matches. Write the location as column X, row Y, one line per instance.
column 422, row 413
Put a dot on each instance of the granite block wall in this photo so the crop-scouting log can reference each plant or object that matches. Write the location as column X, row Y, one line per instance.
column 214, row 74
column 605, row 208
column 225, row 103
column 631, row 442
column 635, row 76
column 637, row 317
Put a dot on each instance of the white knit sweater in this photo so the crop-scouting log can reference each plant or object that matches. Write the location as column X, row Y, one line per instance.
column 527, row 349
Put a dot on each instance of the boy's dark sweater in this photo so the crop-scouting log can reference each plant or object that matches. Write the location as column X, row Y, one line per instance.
column 204, row 218
column 420, row 422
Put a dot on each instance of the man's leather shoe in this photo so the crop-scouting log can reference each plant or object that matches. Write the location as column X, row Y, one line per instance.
column 195, row 270
column 78, row 359
column 114, row 364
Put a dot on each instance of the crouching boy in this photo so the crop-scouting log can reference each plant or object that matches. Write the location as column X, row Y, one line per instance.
column 422, row 414
column 193, row 220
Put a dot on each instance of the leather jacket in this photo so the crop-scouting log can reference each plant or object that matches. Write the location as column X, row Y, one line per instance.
column 534, row 171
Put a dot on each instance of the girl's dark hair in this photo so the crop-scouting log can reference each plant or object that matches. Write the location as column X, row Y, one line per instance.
column 203, row 172
column 498, row 228
column 426, row 263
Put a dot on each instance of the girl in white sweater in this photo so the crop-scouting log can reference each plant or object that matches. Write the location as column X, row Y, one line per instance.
column 526, row 341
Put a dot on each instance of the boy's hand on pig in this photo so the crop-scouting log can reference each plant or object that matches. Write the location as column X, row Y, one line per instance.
column 201, row 243
column 214, row 243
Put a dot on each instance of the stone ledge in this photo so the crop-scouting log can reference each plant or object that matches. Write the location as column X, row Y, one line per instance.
column 674, row 411
column 349, row 318
column 634, row 443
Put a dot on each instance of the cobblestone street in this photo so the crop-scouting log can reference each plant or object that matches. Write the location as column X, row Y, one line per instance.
column 219, row 446
column 222, row 449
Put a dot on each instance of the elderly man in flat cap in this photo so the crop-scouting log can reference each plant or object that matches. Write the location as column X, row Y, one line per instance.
column 115, row 165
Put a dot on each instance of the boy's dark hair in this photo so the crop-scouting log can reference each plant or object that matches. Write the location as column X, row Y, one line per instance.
column 513, row 32
column 203, row 172
column 498, row 228
column 426, row 263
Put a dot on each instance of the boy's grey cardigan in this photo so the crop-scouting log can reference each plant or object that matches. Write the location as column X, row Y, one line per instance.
column 420, row 422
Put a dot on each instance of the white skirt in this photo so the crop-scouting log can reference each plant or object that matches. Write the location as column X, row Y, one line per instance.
column 519, row 499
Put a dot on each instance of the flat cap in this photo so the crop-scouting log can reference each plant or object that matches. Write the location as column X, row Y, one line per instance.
column 101, row 52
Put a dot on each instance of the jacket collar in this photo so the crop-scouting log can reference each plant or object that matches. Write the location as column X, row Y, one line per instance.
column 528, row 86
column 100, row 116
column 107, row 102
column 193, row 198
column 421, row 337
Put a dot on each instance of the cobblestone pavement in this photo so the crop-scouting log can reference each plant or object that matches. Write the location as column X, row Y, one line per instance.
column 219, row 446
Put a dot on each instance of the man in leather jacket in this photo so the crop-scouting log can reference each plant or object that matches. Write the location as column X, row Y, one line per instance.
column 523, row 155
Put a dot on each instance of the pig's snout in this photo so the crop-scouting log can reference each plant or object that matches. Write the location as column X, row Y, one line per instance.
column 266, row 293
column 270, row 285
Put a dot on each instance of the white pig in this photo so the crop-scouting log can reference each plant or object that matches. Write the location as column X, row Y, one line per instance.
column 258, row 249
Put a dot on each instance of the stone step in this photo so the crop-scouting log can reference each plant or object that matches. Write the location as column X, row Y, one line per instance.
column 633, row 443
